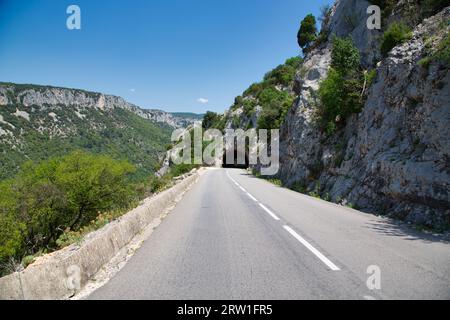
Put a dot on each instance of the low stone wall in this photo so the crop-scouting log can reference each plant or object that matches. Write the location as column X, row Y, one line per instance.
column 60, row 274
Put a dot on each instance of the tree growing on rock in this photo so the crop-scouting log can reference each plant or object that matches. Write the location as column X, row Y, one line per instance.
column 307, row 33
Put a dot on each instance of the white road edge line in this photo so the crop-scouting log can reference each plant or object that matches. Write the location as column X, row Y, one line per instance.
column 316, row 252
column 273, row 215
column 242, row 189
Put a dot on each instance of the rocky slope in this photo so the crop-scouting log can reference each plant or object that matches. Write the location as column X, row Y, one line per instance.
column 37, row 122
column 392, row 158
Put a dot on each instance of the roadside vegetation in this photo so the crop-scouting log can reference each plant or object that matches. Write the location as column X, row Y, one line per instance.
column 54, row 203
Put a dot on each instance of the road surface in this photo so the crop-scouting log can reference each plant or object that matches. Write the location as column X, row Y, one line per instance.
column 234, row 236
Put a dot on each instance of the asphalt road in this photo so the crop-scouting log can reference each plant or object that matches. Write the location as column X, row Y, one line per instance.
column 234, row 236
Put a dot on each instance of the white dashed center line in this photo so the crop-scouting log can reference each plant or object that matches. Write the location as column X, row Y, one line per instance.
column 316, row 252
column 291, row 231
column 273, row 215
column 251, row 197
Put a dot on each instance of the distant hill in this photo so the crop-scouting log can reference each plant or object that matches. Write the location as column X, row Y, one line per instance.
column 38, row 122
column 188, row 115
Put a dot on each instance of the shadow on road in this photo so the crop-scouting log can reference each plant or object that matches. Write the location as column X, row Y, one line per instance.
column 395, row 228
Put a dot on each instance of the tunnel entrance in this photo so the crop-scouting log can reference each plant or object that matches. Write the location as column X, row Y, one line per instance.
column 235, row 163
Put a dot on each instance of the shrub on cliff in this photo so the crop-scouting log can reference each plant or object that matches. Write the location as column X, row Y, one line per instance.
column 339, row 97
column 345, row 57
column 341, row 92
column 283, row 74
column 397, row 33
column 275, row 105
column 443, row 51
column 441, row 54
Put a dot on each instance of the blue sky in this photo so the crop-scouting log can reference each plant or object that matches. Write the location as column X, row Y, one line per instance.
column 166, row 54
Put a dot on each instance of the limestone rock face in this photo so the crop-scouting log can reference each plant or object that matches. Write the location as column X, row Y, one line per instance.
column 393, row 157
column 48, row 97
column 349, row 18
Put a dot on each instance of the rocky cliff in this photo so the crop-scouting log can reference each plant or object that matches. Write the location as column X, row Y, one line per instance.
column 46, row 96
column 393, row 157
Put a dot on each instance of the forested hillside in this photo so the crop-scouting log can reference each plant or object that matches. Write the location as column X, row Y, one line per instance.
column 38, row 122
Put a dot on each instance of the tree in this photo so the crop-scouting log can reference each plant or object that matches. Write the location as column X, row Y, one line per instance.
column 210, row 120
column 92, row 184
column 307, row 33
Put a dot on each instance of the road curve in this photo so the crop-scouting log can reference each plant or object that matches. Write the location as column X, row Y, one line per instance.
column 234, row 236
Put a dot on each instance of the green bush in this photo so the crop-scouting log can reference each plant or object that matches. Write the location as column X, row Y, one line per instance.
column 249, row 107
column 275, row 181
column 339, row 97
column 345, row 57
column 299, row 186
column 254, row 89
column 158, row 184
column 275, row 105
column 294, row 62
column 283, row 74
column 441, row 54
column 397, row 33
